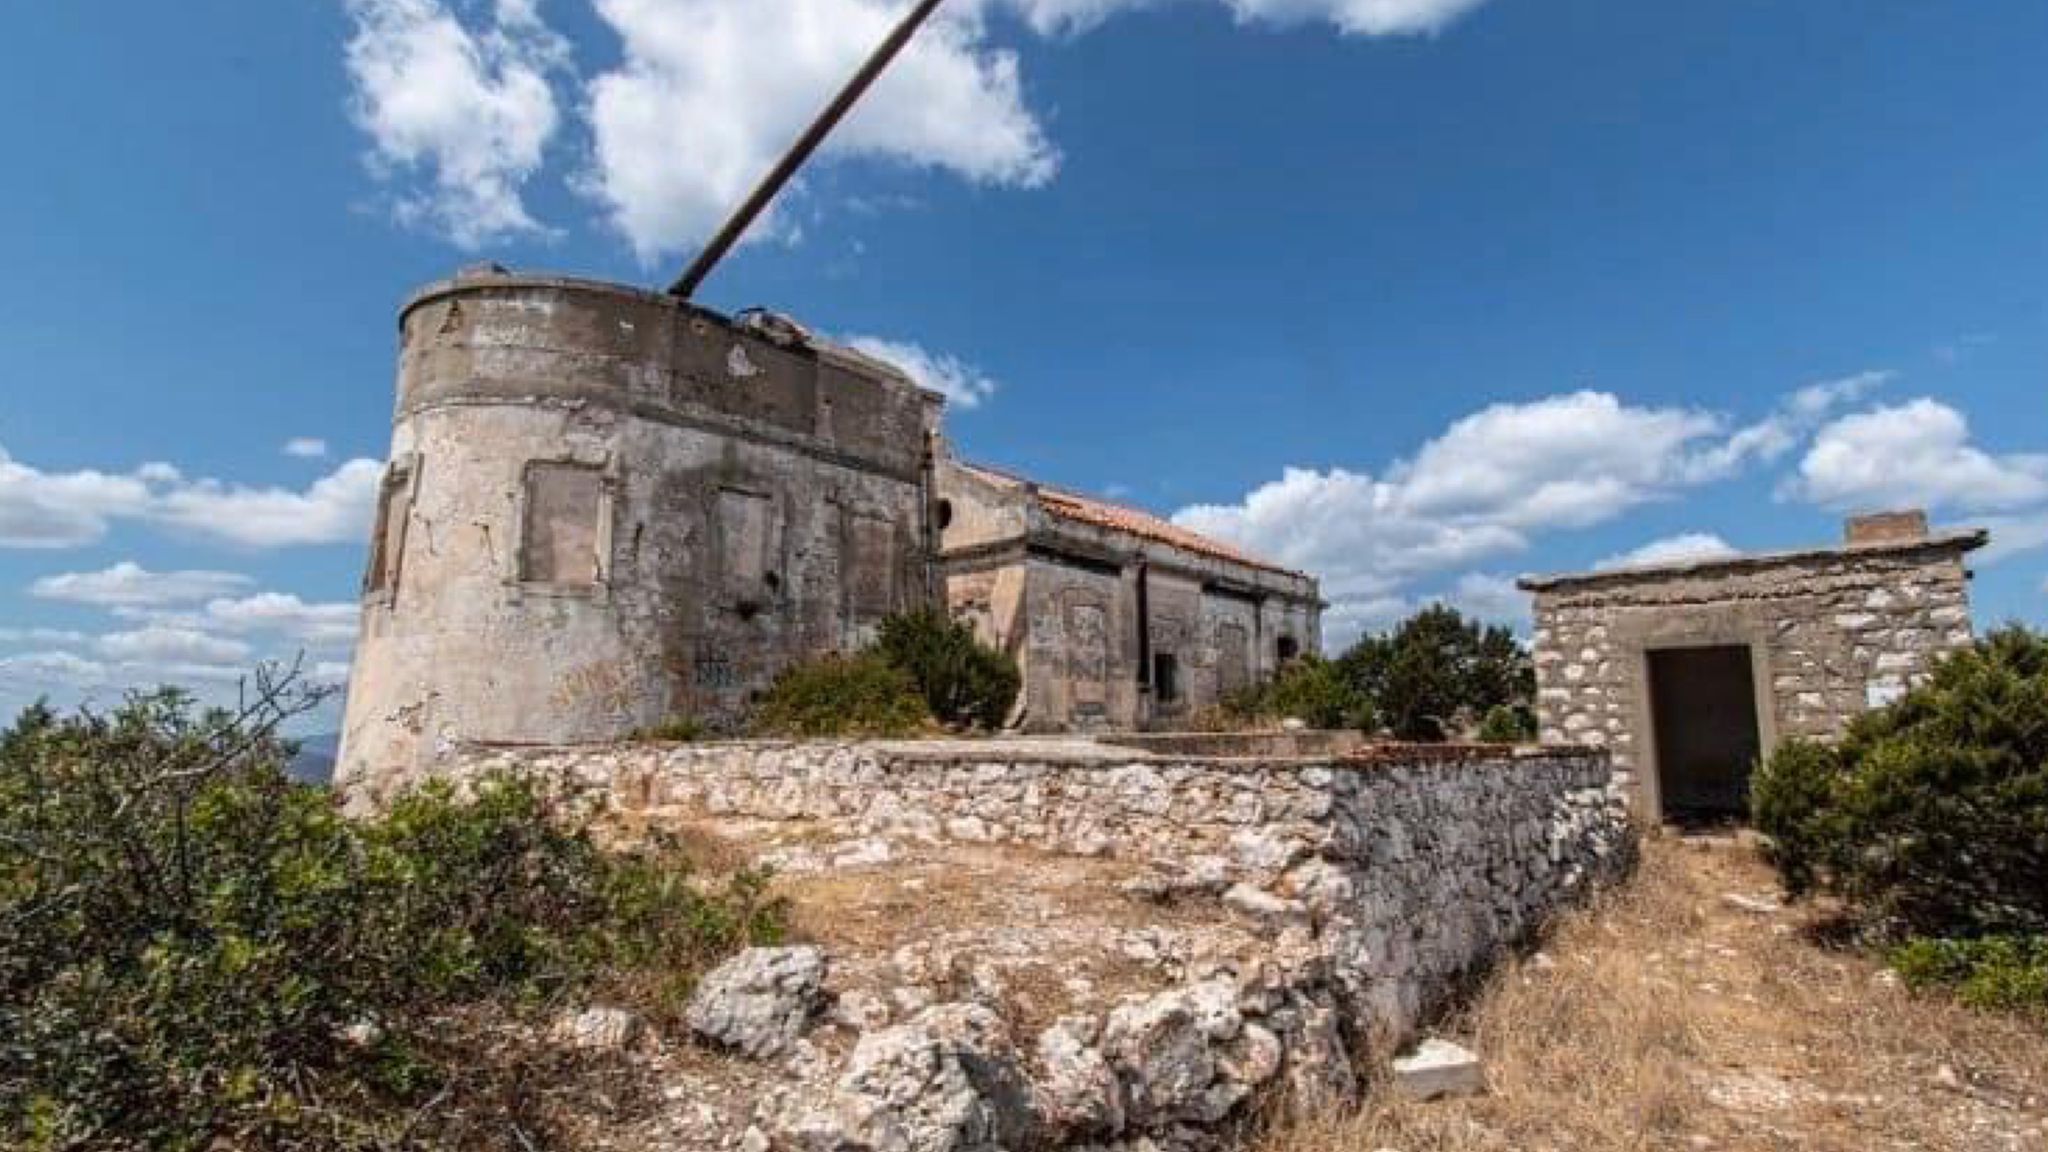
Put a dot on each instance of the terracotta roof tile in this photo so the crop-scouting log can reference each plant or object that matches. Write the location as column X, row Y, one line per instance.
column 1122, row 518
column 1101, row 513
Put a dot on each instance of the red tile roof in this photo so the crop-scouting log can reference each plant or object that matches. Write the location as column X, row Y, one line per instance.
column 1137, row 522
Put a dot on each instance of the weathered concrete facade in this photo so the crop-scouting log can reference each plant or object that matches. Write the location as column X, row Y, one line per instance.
column 1688, row 671
column 606, row 507
column 1117, row 619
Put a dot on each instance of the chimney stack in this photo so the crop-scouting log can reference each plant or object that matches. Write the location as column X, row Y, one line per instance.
column 1888, row 527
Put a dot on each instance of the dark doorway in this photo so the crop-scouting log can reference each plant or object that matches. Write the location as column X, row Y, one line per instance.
column 1166, row 679
column 1703, row 706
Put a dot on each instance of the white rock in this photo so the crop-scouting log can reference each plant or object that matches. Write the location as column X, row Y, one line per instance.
column 1756, row 905
column 1079, row 1093
column 596, row 1029
column 760, row 1001
column 1258, row 902
column 1439, row 1068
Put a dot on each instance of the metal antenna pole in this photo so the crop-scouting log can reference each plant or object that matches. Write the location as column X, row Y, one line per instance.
column 686, row 285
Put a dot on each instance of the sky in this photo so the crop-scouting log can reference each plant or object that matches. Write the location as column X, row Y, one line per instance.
column 1415, row 294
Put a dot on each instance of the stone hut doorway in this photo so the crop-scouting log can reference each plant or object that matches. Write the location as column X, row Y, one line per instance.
column 1704, row 717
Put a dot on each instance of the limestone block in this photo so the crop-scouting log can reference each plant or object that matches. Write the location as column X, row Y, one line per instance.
column 1439, row 1068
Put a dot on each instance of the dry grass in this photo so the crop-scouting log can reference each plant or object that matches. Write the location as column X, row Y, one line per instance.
column 1668, row 1018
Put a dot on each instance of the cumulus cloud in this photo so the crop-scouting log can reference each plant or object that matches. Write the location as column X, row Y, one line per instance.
column 1482, row 489
column 462, row 99
column 305, row 447
column 162, row 645
column 709, row 92
column 1917, row 453
column 459, row 106
column 63, row 509
column 962, row 384
column 1492, row 598
column 41, row 509
column 128, row 584
column 335, row 509
column 1670, row 550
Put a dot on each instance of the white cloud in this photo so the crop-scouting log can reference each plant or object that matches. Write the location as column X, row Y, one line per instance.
column 41, row 509
column 305, row 447
column 63, row 509
column 42, row 636
column 162, row 645
column 128, row 584
column 1480, row 490
column 316, row 626
column 710, row 92
column 1914, row 454
column 962, row 384
column 461, row 106
column 1491, row 598
column 39, row 673
column 1670, row 550
column 460, row 113
column 335, row 509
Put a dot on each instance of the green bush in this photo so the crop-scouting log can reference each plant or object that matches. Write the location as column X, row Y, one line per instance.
column 197, row 952
column 1931, row 817
column 674, row 730
column 1507, row 724
column 859, row 695
column 1438, row 674
column 1307, row 689
column 964, row 682
column 2000, row 973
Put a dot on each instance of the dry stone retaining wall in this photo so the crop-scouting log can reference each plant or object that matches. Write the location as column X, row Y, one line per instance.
column 1385, row 877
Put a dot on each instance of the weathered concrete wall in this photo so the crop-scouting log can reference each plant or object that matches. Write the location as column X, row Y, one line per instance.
column 1413, row 863
column 1064, row 597
column 1831, row 635
column 606, row 508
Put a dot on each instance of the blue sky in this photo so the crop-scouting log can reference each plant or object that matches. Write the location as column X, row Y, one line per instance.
column 1418, row 294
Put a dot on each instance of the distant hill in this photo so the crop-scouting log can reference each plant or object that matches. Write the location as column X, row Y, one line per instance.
column 315, row 762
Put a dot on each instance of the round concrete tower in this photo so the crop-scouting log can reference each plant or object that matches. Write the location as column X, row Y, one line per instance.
column 607, row 507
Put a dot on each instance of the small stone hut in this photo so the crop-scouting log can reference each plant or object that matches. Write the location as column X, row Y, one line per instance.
column 1691, row 671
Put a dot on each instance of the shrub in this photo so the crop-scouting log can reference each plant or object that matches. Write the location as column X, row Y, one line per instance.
column 964, row 682
column 1932, row 815
column 674, row 730
column 187, row 939
column 859, row 695
column 1507, row 724
column 1438, row 673
column 1308, row 689
column 2001, row 973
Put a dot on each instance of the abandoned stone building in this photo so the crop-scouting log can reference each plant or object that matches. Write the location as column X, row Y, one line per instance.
column 607, row 507
column 1117, row 618
column 1690, row 671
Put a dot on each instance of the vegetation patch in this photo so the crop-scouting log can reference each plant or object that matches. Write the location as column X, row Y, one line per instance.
column 1930, row 819
column 2001, row 973
column 862, row 695
column 198, row 953
column 964, row 683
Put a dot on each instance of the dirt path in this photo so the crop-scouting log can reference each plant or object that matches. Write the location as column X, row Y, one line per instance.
column 1677, row 1017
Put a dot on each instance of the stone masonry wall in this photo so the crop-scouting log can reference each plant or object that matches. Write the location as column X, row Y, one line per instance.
column 1414, row 864
column 1832, row 634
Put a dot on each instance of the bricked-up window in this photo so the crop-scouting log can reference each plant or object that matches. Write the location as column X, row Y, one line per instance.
column 394, row 512
column 563, row 536
column 745, row 546
column 870, row 565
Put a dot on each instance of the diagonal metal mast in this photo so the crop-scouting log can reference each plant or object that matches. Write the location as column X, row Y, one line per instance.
column 686, row 285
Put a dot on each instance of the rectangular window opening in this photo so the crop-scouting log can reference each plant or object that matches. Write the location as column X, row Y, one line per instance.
column 563, row 530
